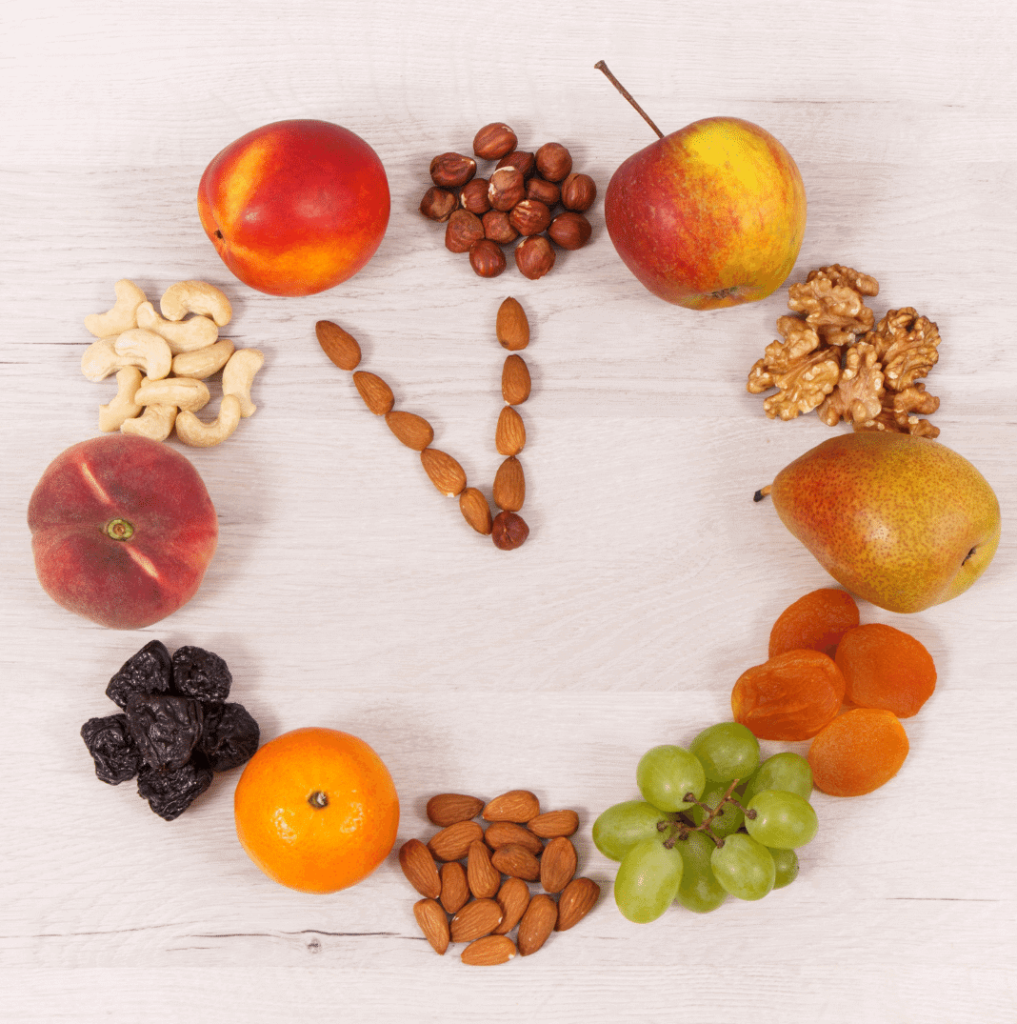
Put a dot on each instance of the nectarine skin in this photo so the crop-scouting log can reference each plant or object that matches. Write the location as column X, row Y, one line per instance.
column 295, row 207
column 712, row 215
column 122, row 530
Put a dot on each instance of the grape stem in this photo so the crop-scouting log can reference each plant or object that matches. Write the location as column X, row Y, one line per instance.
column 682, row 826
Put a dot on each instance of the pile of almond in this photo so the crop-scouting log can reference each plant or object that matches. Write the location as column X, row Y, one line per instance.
column 507, row 529
column 480, row 892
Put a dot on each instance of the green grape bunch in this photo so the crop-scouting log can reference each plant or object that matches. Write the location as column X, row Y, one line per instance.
column 713, row 822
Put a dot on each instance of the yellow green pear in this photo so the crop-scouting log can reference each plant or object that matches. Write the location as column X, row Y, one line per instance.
column 901, row 521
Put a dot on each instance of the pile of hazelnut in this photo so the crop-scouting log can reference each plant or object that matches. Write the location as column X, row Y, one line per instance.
column 519, row 199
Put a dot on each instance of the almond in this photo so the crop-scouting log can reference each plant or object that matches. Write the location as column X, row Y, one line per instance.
column 377, row 395
column 510, row 434
column 537, row 924
column 511, row 325
column 476, row 511
column 515, row 805
column 513, row 898
column 516, row 862
column 447, row 808
column 577, row 899
column 489, row 951
column 558, row 864
column 341, row 347
column 477, row 918
column 454, row 889
column 515, row 380
column 501, row 833
column 453, row 843
column 413, row 430
column 509, row 489
column 481, row 876
column 433, row 923
column 419, row 868
column 554, row 823
column 446, row 474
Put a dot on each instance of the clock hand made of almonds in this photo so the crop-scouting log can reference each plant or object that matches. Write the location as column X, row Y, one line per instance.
column 507, row 529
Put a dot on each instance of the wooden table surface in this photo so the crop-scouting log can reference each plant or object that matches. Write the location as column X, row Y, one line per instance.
column 346, row 592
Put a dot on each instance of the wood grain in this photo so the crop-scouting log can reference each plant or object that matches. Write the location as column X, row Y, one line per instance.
column 347, row 592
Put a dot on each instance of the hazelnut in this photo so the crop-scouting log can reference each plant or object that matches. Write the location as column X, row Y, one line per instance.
column 463, row 229
column 509, row 531
column 506, row 188
column 534, row 257
column 521, row 161
column 438, row 204
column 578, row 191
column 493, row 141
column 486, row 258
column 553, row 161
column 546, row 191
column 530, row 217
column 570, row 230
column 452, row 169
column 473, row 196
column 498, row 228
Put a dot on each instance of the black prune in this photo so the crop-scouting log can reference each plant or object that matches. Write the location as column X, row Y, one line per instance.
column 201, row 674
column 109, row 741
column 148, row 671
column 171, row 792
column 229, row 736
column 165, row 728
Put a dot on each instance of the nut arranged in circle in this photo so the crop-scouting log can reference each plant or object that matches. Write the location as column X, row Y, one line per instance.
column 483, row 903
column 526, row 195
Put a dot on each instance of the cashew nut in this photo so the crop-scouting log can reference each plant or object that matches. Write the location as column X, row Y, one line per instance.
column 182, row 335
column 138, row 347
column 192, row 431
column 195, row 297
column 183, row 392
column 100, row 359
column 155, row 422
column 238, row 375
column 124, row 405
column 205, row 361
column 123, row 316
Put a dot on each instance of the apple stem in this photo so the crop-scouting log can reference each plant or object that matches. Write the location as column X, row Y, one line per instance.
column 762, row 492
column 601, row 66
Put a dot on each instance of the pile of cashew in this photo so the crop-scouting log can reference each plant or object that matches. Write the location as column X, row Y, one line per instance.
column 161, row 361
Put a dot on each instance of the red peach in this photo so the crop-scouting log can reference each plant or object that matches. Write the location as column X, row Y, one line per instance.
column 122, row 530
column 295, row 207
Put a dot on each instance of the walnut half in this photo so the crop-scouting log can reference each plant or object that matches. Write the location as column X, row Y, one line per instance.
column 832, row 299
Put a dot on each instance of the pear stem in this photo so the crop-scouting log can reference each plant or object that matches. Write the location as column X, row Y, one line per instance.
column 762, row 492
column 601, row 66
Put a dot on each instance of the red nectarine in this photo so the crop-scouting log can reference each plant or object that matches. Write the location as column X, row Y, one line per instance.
column 122, row 530
column 295, row 207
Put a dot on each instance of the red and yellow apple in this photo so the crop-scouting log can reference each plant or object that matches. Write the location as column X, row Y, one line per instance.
column 711, row 215
column 122, row 530
column 295, row 207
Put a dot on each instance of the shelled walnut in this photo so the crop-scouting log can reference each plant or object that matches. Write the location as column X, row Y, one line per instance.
column 836, row 359
column 525, row 195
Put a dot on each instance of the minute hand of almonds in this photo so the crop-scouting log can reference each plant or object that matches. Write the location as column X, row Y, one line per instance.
column 835, row 359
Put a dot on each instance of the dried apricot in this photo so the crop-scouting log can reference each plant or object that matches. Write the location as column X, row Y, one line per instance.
column 817, row 621
column 886, row 668
column 858, row 752
column 790, row 697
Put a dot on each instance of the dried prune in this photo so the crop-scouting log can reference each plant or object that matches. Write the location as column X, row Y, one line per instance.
column 148, row 671
column 165, row 728
column 109, row 741
column 201, row 674
column 170, row 793
column 229, row 736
